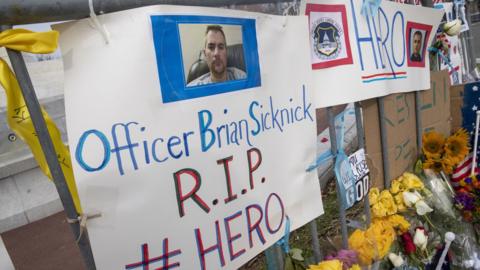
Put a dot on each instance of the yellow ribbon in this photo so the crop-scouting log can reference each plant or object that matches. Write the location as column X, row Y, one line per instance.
column 18, row 116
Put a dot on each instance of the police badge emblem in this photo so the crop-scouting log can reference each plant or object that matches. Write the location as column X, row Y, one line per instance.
column 329, row 40
column 326, row 39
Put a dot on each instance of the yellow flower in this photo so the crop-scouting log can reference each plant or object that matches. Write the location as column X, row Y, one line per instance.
column 378, row 210
column 433, row 144
column 411, row 181
column 434, row 164
column 462, row 134
column 397, row 185
column 447, row 165
column 376, row 241
column 355, row 267
column 327, row 265
column 399, row 222
column 399, row 201
column 383, row 205
column 456, row 148
column 364, row 248
column 382, row 232
column 387, row 200
column 373, row 195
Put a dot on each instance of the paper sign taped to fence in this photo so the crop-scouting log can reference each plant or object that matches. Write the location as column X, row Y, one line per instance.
column 370, row 56
column 358, row 163
column 191, row 134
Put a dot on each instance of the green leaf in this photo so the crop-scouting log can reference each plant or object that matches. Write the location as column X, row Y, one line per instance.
column 418, row 167
column 296, row 254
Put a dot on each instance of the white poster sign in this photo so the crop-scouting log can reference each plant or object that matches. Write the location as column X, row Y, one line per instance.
column 355, row 57
column 191, row 133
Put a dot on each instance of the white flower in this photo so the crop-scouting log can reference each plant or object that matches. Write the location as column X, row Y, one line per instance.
column 422, row 208
column 420, row 239
column 396, row 260
column 415, row 199
column 453, row 28
column 410, row 198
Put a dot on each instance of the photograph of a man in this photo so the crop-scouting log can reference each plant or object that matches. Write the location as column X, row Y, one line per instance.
column 416, row 46
column 215, row 53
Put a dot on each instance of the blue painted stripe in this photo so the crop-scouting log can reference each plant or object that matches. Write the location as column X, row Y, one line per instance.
column 384, row 79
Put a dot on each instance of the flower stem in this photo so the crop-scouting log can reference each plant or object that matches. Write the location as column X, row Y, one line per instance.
column 430, row 222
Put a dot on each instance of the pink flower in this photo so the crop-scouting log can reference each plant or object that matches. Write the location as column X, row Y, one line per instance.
column 347, row 257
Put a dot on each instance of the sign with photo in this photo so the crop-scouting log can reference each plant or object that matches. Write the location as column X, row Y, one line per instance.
column 371, row 56
column 192, row 135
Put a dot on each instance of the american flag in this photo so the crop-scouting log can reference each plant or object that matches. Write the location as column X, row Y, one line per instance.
column 462, row 171
column 471, row 104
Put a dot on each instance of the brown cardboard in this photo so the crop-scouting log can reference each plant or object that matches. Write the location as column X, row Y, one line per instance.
column 400, row 124
column 372, row 139
column 435, row 104
column 456, row 104
column 400, row 135
column 401, row 132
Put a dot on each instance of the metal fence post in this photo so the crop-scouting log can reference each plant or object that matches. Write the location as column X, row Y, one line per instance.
column 15, row 12
column 333, row 146
column 361, row 144
column 384, row 143
column 470, row 44
column 418, row 121
column 33, row 106
column 317, row 254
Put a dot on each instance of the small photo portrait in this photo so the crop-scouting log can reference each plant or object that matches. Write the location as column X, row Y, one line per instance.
column 212, row 53
column 417, row 37
column 200, row 56
column 416, row 44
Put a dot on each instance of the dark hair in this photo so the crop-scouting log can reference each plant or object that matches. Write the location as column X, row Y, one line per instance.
column 418, row 33
column 216, row 28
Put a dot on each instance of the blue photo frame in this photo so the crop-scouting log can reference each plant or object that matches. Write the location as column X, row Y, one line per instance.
column 168, row 52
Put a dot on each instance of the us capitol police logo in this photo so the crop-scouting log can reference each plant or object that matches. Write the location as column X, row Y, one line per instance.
column 326, row 38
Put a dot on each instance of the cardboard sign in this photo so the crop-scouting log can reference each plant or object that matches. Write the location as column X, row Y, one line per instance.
column 456, row 104
column 401, row 134
column 435, row 105
column 190, row 170
column 374, row 56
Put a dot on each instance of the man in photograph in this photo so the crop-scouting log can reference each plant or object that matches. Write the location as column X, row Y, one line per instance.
column 216, row 57
column 416, row 47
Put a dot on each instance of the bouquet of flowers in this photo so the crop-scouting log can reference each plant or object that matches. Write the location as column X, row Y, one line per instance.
column 443, row 154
